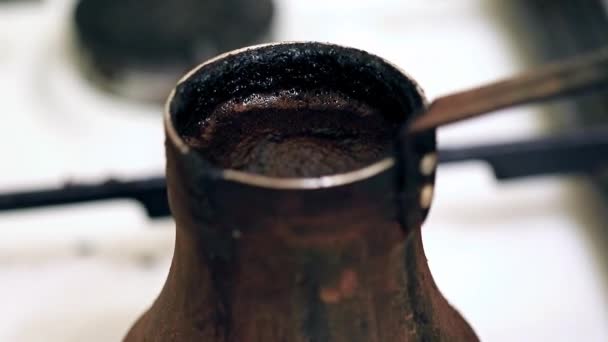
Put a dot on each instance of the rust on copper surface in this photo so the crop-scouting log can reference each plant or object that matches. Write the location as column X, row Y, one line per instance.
column 348, row 283
column 330, row 295
column 342, row 262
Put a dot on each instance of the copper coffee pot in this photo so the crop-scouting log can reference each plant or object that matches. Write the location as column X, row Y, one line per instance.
column 299, row 198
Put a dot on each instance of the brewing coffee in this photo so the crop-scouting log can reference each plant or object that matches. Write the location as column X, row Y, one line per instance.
column 293, row 133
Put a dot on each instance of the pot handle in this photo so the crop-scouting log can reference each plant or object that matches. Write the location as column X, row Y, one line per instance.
column 416, row 165
column 416, row 149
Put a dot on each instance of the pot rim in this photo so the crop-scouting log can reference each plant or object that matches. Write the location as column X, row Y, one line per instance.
column 283, row 183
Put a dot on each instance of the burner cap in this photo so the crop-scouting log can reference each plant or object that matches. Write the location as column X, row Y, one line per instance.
column 140, row 48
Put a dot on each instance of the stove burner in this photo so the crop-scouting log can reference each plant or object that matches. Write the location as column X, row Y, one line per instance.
column 139, row 49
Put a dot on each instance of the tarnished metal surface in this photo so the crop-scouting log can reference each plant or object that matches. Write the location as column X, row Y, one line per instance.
column 256, row 261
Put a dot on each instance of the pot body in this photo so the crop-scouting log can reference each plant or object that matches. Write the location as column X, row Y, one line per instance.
column 327, row 257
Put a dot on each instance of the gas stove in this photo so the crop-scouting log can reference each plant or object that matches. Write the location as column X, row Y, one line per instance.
column 522, row 260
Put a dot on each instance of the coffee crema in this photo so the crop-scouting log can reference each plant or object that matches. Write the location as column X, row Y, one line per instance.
column 293, row 134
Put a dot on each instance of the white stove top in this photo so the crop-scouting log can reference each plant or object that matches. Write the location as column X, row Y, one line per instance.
column 523, row 261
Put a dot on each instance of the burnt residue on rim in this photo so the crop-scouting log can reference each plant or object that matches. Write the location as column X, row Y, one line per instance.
column 294, row 110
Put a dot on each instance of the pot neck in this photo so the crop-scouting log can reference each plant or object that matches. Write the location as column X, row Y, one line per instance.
column 201, row 197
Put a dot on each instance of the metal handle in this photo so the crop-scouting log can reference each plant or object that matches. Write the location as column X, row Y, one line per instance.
column 581, row 74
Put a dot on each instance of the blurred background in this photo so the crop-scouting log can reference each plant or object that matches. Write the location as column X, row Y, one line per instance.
column 523, row 258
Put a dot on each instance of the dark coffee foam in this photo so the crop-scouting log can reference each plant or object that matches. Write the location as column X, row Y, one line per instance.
column 294, row 110
column 293, row 134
